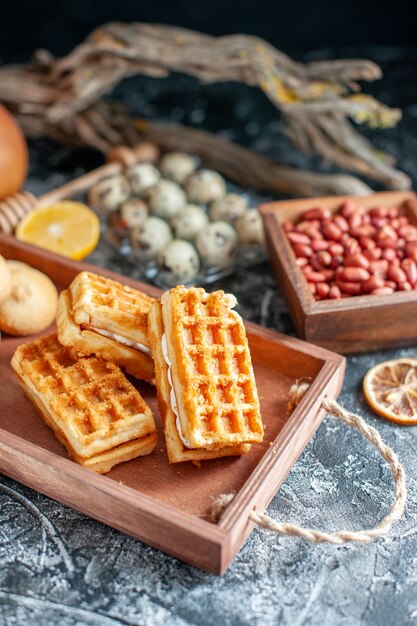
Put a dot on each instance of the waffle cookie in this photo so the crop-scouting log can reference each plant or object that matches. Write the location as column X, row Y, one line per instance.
column 206, row 387
column 94, row 411
column 100, row 316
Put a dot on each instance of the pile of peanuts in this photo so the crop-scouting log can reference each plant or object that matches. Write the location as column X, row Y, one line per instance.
column 354, row 252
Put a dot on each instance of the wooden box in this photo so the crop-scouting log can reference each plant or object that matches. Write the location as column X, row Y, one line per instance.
column 356, row 324
column 168, row 506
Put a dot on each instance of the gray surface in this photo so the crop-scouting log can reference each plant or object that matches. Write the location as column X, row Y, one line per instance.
column 59, row 567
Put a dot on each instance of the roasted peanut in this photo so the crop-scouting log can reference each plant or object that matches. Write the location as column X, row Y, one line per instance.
column 410, row 268
column 317, row 214
column 354, row 274
column 301, row 249
column 382, row 291
column 320, row 244
column 375, row 282
column 299, row 238
column 396, row 274
column 334, row 293
column 322, row 290
column 353, row 289
column 356, row 260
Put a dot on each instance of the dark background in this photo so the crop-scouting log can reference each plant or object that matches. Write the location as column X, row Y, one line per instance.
column 292, row 25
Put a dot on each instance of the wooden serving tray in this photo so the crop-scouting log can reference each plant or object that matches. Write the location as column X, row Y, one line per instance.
column 351, row 325
column 168, row 506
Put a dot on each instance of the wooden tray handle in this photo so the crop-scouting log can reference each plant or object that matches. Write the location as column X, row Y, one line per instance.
column 342, row 536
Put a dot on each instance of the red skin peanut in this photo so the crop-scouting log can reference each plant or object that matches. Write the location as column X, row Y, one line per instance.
column 301, row 249
column 411, row 250
column 405, row 287
column 336, row 249
column 322, row 290
column 324, row 257
column 366, row 243
column 391, row 284
column 349, row 208
column 401, row 243
column 320, row 244
column 382, row 291
column 396, row 274
column 355, row 221
column 318, row 213
column 384, row 241
column 312, row 287
column 351, row 246
column 352, row 289
column 373, row 255
column 337, row 260
column 288, row 227
column 379, row 267
column 366, row 219
column 315, row 277
column 301, row 261
column 389, row 254
column 331, row 231
column 389, row 231
column 410, row 268
column 393, row 213
column 307, row 227
column 379, row 222
column 366, row 230
column 354, row 275
column 409, row 233
column 379, row 211
column 307, row 269
column 341, row 222
column 400, row 254
column 356, row 260
column 375, row 282
column 328, row 275
column 299, row 238
column 334, row 293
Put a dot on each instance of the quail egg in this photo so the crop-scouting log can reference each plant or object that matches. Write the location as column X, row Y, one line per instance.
column 205, row 186
column 189, row 221
column 179, row 262
column 108, row 194
column 150, row 238
column 250, row 228
column 177, row 166
column 165, row 198
column 141, row 176
column 133, row 212
column 228, row 208
column 217, row 244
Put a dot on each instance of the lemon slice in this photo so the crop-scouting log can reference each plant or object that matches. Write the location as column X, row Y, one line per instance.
column 67, row 228
column 390, row 389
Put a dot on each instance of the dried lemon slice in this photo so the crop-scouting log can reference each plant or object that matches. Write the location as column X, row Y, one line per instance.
column 68, row 228
column 390, row 389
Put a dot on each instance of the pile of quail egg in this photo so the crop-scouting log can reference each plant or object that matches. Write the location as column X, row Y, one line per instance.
column 180, row 218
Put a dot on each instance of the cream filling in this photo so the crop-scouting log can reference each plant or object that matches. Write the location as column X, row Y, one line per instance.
column 172, row 398
column 123, row 340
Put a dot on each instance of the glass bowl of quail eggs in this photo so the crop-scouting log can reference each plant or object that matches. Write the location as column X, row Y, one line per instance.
column 179, row 222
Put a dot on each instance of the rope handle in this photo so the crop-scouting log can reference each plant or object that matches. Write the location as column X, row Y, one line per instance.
column 342, row 536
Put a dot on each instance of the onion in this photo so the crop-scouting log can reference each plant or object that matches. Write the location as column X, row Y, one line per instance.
column 13, row 155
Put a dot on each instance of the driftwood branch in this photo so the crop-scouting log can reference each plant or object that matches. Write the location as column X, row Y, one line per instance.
column 62, row 98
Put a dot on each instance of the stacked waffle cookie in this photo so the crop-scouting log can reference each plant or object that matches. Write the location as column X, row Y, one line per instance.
column 94, row 411
column 205, row 382
column 75, row 380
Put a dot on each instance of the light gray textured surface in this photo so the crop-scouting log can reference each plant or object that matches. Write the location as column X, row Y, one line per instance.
column 59, row 567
